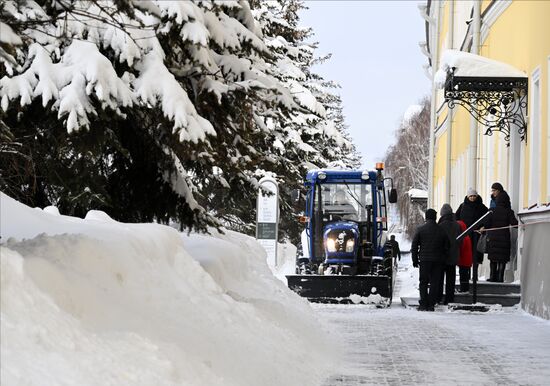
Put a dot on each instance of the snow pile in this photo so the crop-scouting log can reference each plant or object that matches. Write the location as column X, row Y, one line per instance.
column 97, row 302
column 467, row 64
column 375, row 299
column 286, row 261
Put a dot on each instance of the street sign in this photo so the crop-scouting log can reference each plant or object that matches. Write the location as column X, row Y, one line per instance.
column 267, row 218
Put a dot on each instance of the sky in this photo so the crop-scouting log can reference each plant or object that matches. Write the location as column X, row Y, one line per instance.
column 377, row 62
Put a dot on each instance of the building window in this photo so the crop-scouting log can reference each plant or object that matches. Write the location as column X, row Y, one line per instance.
column 534, row 139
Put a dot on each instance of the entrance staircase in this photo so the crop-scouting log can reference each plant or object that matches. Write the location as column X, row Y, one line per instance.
column 505, row 294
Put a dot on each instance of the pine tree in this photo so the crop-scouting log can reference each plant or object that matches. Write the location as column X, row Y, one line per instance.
column 157, row 111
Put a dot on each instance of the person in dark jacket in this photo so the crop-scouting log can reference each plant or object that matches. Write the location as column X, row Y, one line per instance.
column 496, row 188
column 448, row 270
column 396, row 252
column 471, row 210
column 498, row 240
column 429, row 249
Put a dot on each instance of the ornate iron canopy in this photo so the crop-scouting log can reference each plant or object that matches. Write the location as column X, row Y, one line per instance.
column 497, row 103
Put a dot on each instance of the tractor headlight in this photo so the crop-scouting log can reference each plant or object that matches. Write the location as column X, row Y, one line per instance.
column 349, row 245
column 331, row 245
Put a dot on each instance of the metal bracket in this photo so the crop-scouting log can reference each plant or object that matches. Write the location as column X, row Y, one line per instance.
column 496, row 103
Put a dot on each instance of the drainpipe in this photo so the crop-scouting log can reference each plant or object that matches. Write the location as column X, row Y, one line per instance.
column 434, row 43
column 472, row 154
column 448, row 171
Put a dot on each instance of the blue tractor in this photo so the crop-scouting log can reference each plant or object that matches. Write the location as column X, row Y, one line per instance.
column 344, row 255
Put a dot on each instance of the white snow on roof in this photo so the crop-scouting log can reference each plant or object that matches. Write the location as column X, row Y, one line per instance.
column 467, row 64
column 417, row 193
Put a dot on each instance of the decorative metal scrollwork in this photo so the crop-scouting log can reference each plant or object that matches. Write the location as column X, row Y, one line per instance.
column 497, row 103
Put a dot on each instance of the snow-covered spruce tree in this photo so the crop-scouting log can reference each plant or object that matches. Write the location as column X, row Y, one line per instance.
column 295, row 131
column 407, row 162
column 97, row 112
column 148, row 109
column 272, row 146
column 309, row 137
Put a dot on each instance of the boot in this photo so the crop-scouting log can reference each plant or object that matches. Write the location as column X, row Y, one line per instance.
column 501, row 269
column 494, row 271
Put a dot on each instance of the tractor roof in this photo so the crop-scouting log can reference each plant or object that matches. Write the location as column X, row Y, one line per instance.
column 336, row 176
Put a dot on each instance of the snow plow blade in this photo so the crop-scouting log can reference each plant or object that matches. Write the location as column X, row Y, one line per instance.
column 342, row 288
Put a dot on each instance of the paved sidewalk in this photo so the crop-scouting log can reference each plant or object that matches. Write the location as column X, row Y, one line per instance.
column 398, row 346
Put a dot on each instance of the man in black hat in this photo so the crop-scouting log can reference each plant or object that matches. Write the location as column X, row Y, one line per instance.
column 429, row 249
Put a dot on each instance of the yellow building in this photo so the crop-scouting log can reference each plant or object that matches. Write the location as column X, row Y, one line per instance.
column 513, row 37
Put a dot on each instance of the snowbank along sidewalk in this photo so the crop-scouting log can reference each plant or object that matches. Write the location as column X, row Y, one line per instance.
column 97, row 302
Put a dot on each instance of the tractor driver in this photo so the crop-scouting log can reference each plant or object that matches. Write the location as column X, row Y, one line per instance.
column 344, row 208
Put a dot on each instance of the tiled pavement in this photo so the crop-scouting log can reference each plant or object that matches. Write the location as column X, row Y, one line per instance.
column 399, row 346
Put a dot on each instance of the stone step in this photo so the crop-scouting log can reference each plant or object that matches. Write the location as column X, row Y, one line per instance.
column 409, row 302
column 487, row 287
column 506, row 300
column 503, row 300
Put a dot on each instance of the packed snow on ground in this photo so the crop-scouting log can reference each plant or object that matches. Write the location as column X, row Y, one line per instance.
column 97, row 302
column 407, row 276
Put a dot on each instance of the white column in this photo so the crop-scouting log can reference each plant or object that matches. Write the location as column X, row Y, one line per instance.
column 434, row 43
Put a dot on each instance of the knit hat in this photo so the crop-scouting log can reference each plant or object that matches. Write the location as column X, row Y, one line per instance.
column 431, row 214
column 497, row 186
column 445, row 209
column 472, row 192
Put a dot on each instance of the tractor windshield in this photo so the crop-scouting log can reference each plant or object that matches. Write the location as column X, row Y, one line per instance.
column 346, row 201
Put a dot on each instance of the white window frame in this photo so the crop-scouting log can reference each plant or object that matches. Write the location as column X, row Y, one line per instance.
column 534, row 138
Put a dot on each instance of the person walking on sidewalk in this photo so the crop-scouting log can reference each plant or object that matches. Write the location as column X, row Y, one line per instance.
column 471, row 210
column 429, row 249
column 464, row 259
column 448, row 272
column 396, row 252
column 498, row 241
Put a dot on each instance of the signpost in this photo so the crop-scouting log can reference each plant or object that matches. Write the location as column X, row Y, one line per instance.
column 267, row 218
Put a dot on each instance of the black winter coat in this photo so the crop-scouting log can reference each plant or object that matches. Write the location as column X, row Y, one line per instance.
column 452, row 229
column 470, row 212
column 499, row 240
column 430, row 243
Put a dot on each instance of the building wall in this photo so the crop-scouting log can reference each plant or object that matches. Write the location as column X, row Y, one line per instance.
column 462, row 14
column 514, row 32
column 535, row 270
column 526, row 46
